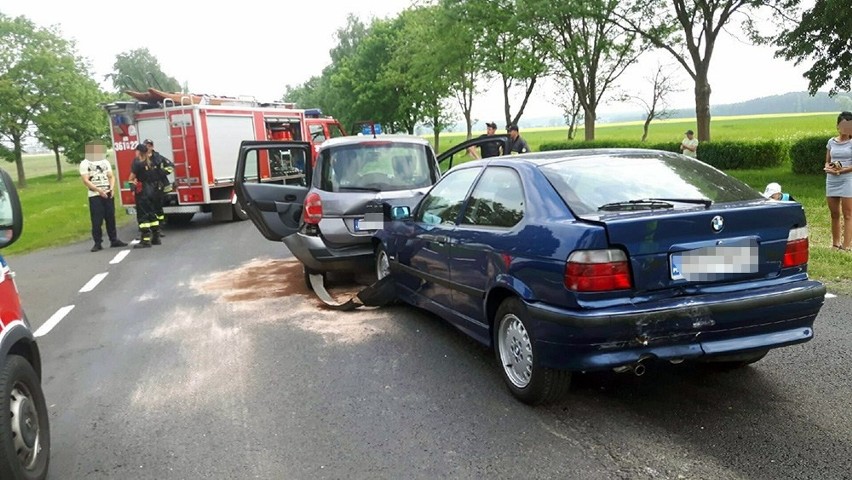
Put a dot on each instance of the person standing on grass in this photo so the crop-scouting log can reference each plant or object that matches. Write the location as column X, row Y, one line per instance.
column 689, row 145
column 98, row 178
column 838, row 181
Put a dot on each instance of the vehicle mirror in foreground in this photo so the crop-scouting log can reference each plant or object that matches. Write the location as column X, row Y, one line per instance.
column 11, row 217
column 400, row 213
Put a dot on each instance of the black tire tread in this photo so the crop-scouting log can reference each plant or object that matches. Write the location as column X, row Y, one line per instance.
column 15, row 366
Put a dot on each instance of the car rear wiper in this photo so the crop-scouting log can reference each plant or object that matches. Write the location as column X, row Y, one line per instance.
column 360, row 189
column 645, row 204
column 699, row 201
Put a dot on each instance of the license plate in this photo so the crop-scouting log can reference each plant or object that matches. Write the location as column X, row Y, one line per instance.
column 370, row 222
column 714, row 262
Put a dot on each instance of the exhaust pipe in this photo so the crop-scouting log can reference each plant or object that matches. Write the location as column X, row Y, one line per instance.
column 639, row 369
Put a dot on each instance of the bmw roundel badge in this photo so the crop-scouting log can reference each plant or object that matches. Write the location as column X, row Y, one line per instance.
column 717, row 224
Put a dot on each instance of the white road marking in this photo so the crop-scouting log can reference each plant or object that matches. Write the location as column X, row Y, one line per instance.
column 830, row 295
column 119, row 257
column 53, row 321
column 93, row 282
column 134, row 241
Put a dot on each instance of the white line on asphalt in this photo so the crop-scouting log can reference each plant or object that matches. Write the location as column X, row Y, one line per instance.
column 134, row 241
column 119, row 257
column 830, row 295
column 93, row 282
column 53, row 320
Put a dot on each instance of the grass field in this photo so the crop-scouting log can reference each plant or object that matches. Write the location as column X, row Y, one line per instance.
column 751, row 127
column 56, row 213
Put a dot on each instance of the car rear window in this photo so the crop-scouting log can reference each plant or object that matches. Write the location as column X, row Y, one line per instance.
column 587, row 184
column 378, row 166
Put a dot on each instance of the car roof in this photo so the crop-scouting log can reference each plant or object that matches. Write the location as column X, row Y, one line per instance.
column 358, row 139
column 557, row 156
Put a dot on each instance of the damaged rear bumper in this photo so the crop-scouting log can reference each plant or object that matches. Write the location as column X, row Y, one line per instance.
column 677, row 328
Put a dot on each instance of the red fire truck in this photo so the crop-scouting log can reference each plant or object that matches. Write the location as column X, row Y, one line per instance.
column 203, row 141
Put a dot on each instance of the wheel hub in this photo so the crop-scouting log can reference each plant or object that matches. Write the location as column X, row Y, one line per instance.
column 515, row 350
column 25, row 426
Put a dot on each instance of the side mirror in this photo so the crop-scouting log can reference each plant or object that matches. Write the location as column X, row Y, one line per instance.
column 400, row 213
column 11, row 216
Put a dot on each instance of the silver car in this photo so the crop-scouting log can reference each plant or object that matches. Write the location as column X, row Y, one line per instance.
column 326, row 210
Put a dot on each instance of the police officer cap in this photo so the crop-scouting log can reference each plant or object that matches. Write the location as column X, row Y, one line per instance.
column 142, row 148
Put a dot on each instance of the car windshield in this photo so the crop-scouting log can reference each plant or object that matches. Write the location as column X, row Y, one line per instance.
column 377, row 166
column 637, row 181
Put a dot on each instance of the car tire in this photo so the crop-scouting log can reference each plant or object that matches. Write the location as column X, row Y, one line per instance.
column 24, row 427
column 733, row 362
column 515, row 348
column 382, row 263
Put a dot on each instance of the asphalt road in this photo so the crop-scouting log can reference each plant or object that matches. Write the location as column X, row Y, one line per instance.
column 207, row 358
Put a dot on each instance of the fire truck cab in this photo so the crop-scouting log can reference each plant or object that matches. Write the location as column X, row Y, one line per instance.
column 203, row 140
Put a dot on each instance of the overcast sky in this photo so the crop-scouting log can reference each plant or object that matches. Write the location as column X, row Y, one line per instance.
column 256, row 48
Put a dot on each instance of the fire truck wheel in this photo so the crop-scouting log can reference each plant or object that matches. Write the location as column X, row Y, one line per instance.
column 24, row 428
column 179, row 218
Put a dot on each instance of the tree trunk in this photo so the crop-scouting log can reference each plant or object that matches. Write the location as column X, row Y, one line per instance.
column 19, row 161
column 702, row 107
column 589, row 123
column 58, row 164
column 506, row 106
column 645, row 127
column 469, row 121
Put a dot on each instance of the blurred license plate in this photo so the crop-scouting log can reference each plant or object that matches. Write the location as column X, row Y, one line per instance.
column 714, row 262
column 371, row 221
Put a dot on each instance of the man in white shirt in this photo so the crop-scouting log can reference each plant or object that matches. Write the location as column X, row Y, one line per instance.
column 97, row 176
column 689, row 145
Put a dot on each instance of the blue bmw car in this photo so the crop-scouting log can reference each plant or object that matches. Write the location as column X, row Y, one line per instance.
column 603, row 259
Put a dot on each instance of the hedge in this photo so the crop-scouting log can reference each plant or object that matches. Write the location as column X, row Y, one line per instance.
column 808, row 154
column 725, row 155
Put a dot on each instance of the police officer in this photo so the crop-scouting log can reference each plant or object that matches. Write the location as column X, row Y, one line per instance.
column 144, row 178
column 163, row 168
column 516, row 143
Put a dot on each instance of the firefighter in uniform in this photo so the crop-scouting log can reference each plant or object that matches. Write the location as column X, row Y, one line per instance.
column 163, row 168
column 144, row 178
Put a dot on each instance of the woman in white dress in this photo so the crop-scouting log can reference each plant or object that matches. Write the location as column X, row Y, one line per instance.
column 838, row 182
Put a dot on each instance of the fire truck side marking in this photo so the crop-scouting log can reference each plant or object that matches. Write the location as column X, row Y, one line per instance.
column 54, row 320
column 93, row 282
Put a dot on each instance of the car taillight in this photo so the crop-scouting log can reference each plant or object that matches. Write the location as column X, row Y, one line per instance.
column 797, row 248
column 313, row 209
column 597, row 271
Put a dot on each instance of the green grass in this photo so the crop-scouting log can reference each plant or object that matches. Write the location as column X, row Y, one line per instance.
column 55, row 213
column 39, row 166
column 750, row 127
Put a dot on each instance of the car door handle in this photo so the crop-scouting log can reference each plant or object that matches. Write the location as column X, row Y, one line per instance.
column 289, row 198
column 441, row 239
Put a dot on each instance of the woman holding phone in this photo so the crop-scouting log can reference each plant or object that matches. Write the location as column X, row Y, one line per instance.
column 838, row 181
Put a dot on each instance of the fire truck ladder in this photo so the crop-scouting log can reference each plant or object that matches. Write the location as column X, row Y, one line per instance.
column 183, row 157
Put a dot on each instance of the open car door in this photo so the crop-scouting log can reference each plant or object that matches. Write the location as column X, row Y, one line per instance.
column 271, row 182
column 452, row 156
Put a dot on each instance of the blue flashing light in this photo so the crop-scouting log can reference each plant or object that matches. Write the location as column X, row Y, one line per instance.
column 368, row 129
column 313, row 113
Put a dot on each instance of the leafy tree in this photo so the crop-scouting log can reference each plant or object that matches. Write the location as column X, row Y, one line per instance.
column 138, row 70
column 510, row 46
column 591, row 50
column 32, row 61
column 569, row 102
column 463, row 55
column 823, row 35
column 688, row 30
column 71, row 116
